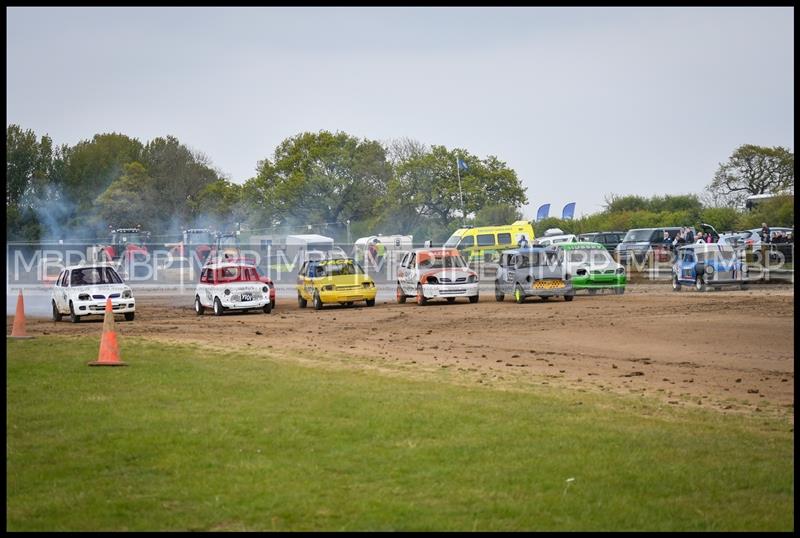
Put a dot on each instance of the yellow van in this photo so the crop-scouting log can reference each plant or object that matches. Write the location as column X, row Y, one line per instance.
column 484, row 243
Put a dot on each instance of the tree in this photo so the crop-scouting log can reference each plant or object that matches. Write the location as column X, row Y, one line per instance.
column 497, row 214
column 318, row 178
column 131, row 199
column 218, row 205
column 753, row 170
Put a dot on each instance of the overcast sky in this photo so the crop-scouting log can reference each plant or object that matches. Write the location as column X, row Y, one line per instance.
column 581, row 102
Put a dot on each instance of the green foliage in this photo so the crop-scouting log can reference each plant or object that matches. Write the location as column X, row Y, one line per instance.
column 753, row 170
column 775, row 212
column 722, row 218
column 496, row 214
column 131, row 199
column 220, row 203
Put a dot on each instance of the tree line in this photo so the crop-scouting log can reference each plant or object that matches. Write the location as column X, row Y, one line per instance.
column 329, row 178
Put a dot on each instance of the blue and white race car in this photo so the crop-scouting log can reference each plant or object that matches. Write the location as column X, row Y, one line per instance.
column 708, row 265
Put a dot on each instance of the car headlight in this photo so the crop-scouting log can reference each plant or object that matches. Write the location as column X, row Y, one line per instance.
column 581, row 272
column 472, row 279
column 620, row 270
column 432, row 280
column 227, row 292
column 368, row 284
column 329, row 287
column 265, row 289
column 127, row 294
column 709, row 269
column 83, row 297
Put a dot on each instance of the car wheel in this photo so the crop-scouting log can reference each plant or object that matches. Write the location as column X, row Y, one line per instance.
column 451, row 299
column 129, row 316
column 499, row 296
column 676, row 286
column 217, row 307
column 267, row 307
column 699, row 284
column 56, row 313
column 421, row 299
column 619, row 291
column 73, row 317
column 370, row 302
column 519, row 294
column 317, row 301
column 272, row 304
column 302, row 303
column 401, row 297
column 199, row 309
column 744, row 287
column 474, row 298
column 569, row 297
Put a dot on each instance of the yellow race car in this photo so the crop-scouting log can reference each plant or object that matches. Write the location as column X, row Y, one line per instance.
column 340, row 281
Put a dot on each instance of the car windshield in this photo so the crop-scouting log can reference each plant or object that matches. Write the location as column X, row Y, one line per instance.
column 236, row 274
column 452, row 241
column 637, row 235
column 441, row 262
column 335, row 268
column 94, row 275
column 594, row 256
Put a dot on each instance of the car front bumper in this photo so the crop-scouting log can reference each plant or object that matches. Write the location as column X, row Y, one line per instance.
column 466, row 289
column 348, row 295
column 98, row 306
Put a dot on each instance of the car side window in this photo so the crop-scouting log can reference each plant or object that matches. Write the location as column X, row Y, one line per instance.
column 467, row 242
column 412, row 263
column 504, row 238
column 60, row 281
column 486, row 240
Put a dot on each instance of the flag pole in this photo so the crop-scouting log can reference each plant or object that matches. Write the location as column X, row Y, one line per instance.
column 460, row 196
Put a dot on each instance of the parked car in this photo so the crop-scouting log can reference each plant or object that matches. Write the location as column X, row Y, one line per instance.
column 334, row 280
column 610, row 240
column 555, row 239
column 432, row 273
column 592, row 267
column 707, row 265
column 227, row 286
column 82, row 290
column 754, row 240
column 638, row 242
column 532, row 272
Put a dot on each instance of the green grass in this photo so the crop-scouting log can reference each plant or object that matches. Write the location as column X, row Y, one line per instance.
column 185, row 438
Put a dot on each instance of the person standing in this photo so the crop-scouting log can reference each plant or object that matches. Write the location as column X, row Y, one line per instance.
column 765, row 233
column 689, row 236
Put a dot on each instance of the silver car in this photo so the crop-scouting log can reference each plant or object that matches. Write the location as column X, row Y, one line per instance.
column 533, row 271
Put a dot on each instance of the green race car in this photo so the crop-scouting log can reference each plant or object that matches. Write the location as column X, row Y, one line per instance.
column 592, row 268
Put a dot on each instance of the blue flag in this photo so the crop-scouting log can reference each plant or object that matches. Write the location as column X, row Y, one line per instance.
column 543, row 211
column 462, row 165
column 569, row 211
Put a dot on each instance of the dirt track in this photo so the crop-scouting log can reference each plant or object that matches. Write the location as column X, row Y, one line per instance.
column 728, row 350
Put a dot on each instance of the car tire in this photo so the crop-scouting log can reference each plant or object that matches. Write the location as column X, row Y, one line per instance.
column 451, row 300
column 619, row 291
column 568, row 298
column 302, row 303
column 217, row 307
column 519, row 294
column 272, row 304
column 129, row 316
column 676, row 286
column 317, row 301
column 267, row 307
column 73, row 317
column 421, row 299
column 744, row 287
column 370, row 302
column 499, row 296
column 401, row 297
column 474, row 298
column 56, row 313
column 699, row 284
column 199, row 309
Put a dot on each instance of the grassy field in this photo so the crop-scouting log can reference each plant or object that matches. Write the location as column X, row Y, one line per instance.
column 185, row 438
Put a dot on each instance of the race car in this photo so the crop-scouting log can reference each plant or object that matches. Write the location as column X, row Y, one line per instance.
column 707, row 265
column 592, row 267
column 231, row 286
column 82, row 290
column 334, row 280
column 532, row 271
column 430, row 273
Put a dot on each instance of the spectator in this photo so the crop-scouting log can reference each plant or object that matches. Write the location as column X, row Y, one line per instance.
column 689, row 236
column 700, row 237
column 765, row 233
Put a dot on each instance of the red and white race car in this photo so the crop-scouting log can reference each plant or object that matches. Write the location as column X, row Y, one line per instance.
column 231, row 286
column 430, row 273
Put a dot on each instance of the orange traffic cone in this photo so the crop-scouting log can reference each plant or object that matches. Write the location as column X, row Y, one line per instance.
column 109, row 349
column 18, row 329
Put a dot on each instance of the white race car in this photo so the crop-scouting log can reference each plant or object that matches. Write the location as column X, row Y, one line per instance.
column 82, row 290
column 431, row 273
column 231, row 286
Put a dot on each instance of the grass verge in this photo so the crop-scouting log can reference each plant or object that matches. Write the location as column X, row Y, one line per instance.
column 186, row 438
